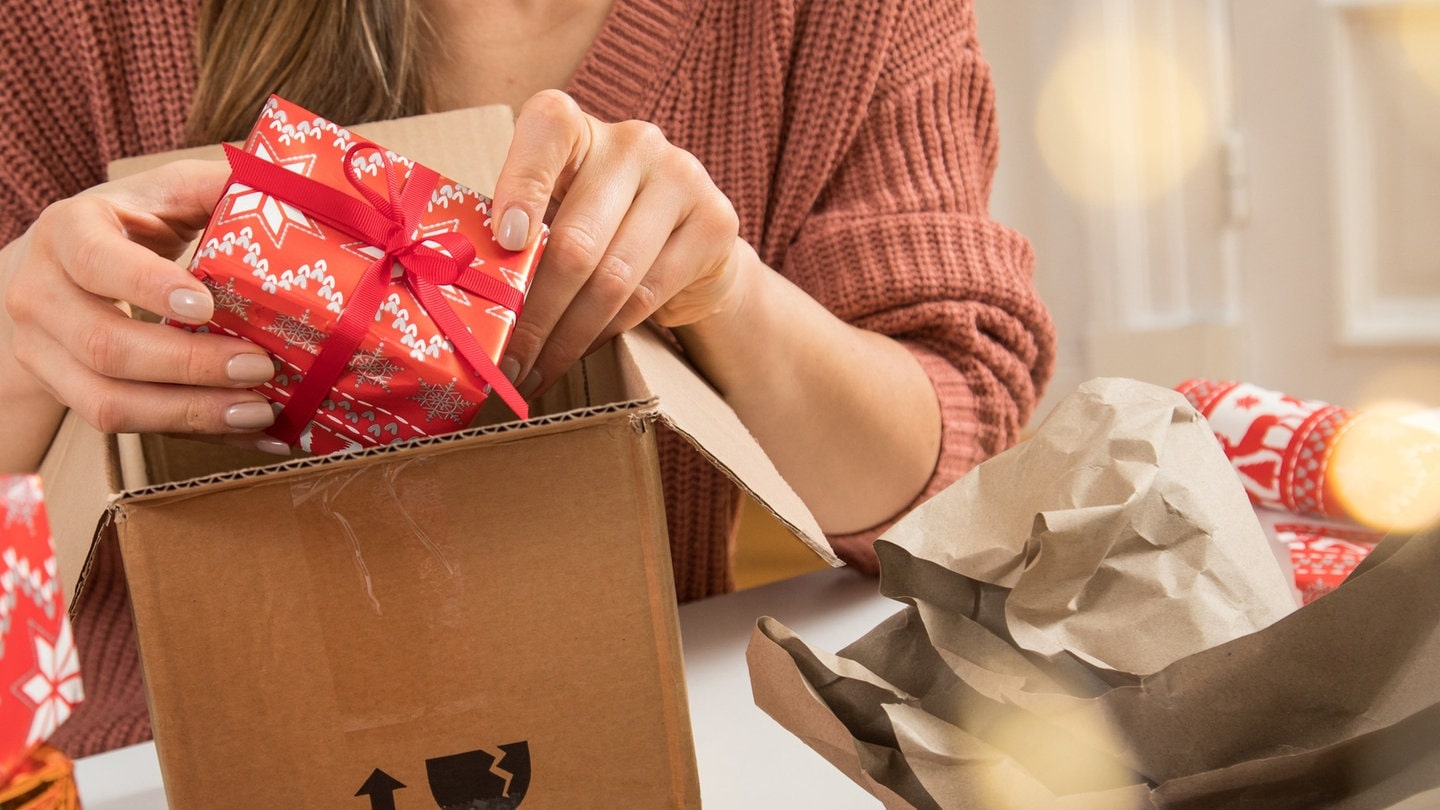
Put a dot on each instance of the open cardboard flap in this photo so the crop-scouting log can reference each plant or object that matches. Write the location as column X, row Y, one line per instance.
column 690, row 407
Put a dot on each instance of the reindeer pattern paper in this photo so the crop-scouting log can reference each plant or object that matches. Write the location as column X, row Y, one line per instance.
column 1280, row 445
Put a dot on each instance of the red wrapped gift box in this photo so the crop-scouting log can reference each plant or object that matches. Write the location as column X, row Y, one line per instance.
column 374, row 282
column 39, row 668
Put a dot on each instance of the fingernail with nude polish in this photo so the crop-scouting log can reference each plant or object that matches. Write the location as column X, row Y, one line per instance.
column 274, row 447
column 250, row 368
column 250, row 415
column 510, row 367
column 514, row 229
column 529, row 386
column 192, row 305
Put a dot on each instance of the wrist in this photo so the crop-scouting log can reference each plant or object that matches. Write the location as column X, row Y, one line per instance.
column 731, row 298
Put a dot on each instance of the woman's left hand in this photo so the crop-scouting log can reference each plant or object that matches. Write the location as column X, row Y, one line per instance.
column 639, row 231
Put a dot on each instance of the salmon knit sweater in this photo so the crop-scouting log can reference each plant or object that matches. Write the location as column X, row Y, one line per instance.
column 855, row 138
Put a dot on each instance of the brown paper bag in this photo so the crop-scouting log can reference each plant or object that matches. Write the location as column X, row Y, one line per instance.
column 945, row 705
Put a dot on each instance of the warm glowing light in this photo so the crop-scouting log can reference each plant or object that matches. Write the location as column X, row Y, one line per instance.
column 1385, row 470
column 1404, row 382
column 1121, row 121
column 1072, row 756
column 1419, row 34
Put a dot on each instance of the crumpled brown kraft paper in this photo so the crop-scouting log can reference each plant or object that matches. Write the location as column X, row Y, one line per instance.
column 1120, row 528
column 947, row 704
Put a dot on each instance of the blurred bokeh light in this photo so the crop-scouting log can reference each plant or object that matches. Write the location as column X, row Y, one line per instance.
column 1419, row 35
column 1385, row 469
column 1121, row 120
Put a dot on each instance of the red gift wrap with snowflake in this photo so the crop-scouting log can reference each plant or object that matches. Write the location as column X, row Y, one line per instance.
column 373, row 281
column 39, row 667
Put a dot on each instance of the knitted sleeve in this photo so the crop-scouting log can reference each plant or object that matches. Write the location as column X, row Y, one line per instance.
column 901, row 243
column 83, row 83
column 47, row 145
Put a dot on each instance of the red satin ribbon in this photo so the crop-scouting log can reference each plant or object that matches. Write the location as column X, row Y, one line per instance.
column 390, row 225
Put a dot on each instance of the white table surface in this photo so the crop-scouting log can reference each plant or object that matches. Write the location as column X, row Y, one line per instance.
column 746, row 760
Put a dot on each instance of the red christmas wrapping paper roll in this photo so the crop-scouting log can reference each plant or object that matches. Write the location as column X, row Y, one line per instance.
column 374, row 282
column 1378, row 468
column 39, row 668
column 1281, row 446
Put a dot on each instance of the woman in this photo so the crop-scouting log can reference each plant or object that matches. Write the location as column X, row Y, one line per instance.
column 805, row 209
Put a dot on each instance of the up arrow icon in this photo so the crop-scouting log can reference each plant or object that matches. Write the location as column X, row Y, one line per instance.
column 380, row 787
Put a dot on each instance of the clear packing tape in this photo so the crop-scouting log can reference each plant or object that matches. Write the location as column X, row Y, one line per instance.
column 1094, row 619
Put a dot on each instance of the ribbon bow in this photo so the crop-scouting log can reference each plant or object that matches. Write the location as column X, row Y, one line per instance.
column 423, row 264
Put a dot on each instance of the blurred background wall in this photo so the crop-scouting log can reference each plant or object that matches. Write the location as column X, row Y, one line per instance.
column 1234, row 188
column 1238, row 189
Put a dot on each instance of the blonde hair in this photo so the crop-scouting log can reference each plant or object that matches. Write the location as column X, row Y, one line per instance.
column 350, row 61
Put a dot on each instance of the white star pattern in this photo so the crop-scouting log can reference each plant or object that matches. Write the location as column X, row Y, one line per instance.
column 55, row 688
column 442, row 401
column 275, row 216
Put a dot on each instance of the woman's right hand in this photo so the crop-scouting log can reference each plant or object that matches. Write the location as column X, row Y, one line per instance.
column 117, row 243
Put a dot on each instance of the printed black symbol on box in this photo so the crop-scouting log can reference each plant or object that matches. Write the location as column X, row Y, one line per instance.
column 475, row 781
column 472, row 780
column 380, row 787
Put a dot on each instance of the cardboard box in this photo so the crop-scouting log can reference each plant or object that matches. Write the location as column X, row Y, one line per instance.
column 489, row 613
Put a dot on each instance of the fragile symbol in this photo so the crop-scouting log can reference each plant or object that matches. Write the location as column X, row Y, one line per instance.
column 469, row 782
column 380, row 787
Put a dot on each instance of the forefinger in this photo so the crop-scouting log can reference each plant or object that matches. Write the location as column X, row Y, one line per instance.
column 110, row 240
column 171, row 200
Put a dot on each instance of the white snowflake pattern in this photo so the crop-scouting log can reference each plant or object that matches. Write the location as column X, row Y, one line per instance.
column 20, row 501
column 374, row 367
column 442, row 401
column 297, row 332
column 226, row 297
column 55, row 687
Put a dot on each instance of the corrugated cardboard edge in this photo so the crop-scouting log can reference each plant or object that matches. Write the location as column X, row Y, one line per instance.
column 665, row 624
column 690, row 407
column 639, row 412
column 426, row 139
